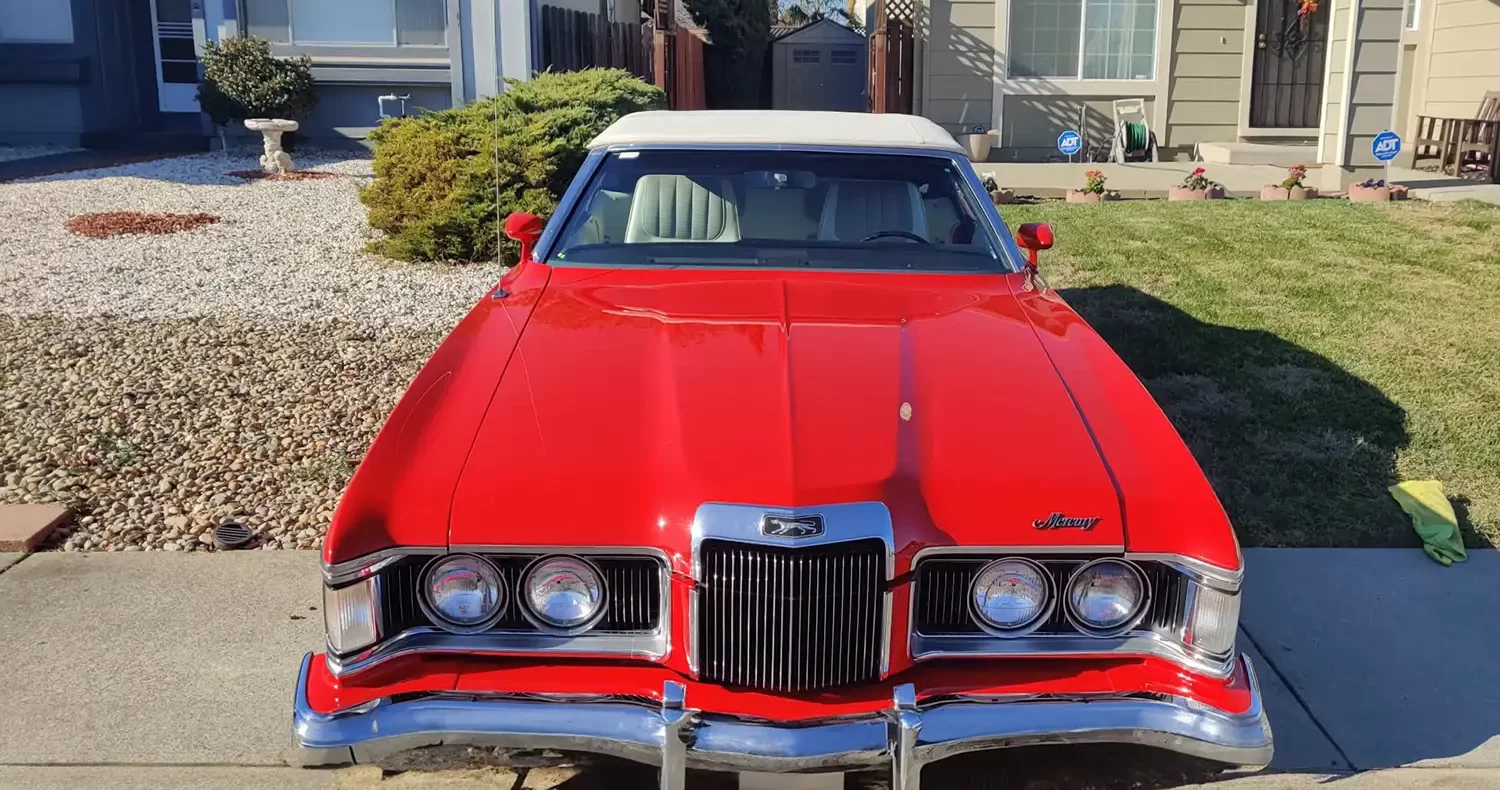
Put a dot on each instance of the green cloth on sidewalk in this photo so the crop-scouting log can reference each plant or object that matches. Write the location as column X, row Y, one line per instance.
column 1433, row 518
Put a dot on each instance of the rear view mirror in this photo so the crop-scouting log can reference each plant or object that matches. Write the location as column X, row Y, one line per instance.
column 525, row 228
column 1034, row 237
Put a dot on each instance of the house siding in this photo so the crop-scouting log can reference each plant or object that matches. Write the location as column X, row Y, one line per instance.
column 1457, row 60
column 1203, row 97
column 1032, row 123
column 1333, row 84
column 958, row 85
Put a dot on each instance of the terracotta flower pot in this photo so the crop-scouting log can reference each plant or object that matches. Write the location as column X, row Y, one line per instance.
column 1273, row 192
column 1364, row 194
column 1301, row 193
column 1184, row 193
column 1075, row 196
column 1003, row 197
column 1398, row 191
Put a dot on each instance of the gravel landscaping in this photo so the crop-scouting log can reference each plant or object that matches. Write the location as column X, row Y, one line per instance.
column 163, row 383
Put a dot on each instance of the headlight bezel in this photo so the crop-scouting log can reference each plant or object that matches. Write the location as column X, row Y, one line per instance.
column 1042, row 615
column 1142, row 606
column 540, row 621
column 438, row 619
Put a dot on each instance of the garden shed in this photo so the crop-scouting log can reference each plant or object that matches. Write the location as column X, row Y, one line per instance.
column 819, row 66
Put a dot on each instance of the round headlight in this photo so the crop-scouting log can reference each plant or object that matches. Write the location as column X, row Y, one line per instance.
column 1010, row 594
column 462, row 593
column 564, row 592
column 1106, row 595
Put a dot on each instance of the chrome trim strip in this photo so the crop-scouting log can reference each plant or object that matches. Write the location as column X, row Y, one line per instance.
column 1136, row 643
column 1012, row 551
column 650, row 646
column 655, row 645
column 842, row 523
column 904, row 737
column 358, row 568
column 1218, row 578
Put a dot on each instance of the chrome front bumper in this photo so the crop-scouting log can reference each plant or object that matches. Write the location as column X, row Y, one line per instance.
column 675, row 737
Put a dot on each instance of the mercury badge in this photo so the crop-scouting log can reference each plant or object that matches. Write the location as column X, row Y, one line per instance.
column 791, row 526
column 1059, row 521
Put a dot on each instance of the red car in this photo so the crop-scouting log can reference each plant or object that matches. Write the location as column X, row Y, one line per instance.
column 776, row 454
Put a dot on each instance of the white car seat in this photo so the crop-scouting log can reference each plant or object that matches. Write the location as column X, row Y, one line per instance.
column 857, row 208
column 668, row 208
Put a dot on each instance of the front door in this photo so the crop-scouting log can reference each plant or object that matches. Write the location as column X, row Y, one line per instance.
column 1286, row 83
column 176, row 59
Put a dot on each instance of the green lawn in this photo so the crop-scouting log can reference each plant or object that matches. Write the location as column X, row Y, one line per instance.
column 1310, row 354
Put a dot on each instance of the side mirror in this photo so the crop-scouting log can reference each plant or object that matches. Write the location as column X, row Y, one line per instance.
column 1034, row 237
column 525, row 228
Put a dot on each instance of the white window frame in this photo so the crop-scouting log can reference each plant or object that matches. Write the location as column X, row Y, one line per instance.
column 1083, row 28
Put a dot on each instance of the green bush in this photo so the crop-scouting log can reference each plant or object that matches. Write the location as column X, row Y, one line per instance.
column 242, row 79
column 445, row 180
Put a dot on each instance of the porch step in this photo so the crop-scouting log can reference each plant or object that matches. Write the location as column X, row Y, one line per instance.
column 1281, row 155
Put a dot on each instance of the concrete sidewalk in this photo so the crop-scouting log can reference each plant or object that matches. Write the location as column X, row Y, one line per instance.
column 175, row 671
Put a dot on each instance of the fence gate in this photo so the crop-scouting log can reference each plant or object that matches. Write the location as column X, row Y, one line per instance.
column 892, row 54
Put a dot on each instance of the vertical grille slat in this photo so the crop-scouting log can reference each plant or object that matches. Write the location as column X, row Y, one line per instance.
column 791, row 619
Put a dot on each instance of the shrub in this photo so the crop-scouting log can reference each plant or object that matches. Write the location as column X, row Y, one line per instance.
column 444, row 180
column 242, row 79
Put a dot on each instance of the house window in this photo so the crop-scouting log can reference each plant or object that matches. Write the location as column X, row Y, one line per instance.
column 39, row 21
column 1083, row 39
column 844, row 57
column 1413, row 14
column 806, row 56
column 349, row 22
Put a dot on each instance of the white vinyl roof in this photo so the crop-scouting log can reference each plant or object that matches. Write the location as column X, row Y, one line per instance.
column 777, row 127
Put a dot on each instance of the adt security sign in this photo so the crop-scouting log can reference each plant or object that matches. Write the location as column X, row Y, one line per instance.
column 1069, row 142
column 1386, row 145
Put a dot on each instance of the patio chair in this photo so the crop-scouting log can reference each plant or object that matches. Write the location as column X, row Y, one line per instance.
column 1460, row 142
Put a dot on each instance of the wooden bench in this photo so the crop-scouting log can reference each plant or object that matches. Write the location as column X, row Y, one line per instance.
column 1461, row 142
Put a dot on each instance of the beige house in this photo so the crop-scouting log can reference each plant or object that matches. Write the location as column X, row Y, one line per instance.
column 1225, row 78
column 1451, row 52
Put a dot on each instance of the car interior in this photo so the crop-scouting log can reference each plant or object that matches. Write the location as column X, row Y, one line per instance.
column 772, row 206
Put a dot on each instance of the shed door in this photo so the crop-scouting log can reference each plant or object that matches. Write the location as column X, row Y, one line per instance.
column 1286, row 83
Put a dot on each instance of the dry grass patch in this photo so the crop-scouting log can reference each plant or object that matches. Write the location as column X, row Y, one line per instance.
column 120, row 223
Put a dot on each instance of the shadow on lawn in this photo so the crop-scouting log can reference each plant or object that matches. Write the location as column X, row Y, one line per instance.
column 1299, row 450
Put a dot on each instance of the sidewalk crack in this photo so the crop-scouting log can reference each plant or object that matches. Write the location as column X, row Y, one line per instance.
column 1271, row 662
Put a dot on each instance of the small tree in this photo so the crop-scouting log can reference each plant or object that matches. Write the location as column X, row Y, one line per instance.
column 242, row 79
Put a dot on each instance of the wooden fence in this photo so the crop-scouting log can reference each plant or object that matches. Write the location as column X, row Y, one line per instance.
column 574, row 40
column 679, row 68
column 893, row 51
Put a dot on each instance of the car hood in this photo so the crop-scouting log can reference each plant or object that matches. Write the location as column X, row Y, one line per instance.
column 634, row 396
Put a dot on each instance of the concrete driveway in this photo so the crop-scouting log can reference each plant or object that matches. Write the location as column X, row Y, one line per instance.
column 157, row 670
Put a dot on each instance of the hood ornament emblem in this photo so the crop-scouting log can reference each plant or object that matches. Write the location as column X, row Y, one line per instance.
column 1059, row 521
column 791, row 526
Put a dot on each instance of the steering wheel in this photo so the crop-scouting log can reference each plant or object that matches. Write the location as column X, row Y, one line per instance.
column 896, row 234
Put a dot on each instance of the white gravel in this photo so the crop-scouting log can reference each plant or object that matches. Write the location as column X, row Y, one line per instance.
column 162, row 384
column 10, row 153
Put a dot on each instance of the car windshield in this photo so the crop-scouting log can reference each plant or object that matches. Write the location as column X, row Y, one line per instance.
column 778, row 209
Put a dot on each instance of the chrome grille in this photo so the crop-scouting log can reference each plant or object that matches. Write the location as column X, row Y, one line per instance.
column 791, row 619
column 941, row 604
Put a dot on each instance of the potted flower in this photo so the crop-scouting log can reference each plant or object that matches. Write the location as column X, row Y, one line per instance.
column 1291, row 188
column 1373, row 190
column 1000, row 196
column 1196, row 186
column 1093, row 189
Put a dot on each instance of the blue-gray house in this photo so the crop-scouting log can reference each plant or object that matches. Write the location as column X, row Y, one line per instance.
column 119, row 72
